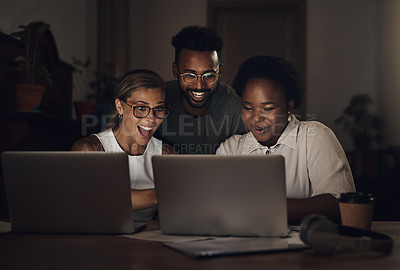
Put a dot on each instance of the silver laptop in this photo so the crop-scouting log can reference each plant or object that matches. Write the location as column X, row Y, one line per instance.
column 68, row 192
column 221, row 195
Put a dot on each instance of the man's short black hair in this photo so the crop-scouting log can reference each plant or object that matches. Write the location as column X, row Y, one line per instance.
column 197, row 38
column 272, row 68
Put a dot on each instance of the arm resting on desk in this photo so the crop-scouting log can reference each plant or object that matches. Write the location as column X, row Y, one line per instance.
column 323, row 204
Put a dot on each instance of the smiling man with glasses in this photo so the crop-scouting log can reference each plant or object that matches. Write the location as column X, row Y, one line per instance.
column 204, row 111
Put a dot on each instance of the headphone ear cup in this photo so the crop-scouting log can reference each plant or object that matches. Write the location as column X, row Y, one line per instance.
column 319, row 233
column 305, row 224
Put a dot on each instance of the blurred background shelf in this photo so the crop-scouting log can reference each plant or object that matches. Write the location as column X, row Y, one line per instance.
column 378, row 172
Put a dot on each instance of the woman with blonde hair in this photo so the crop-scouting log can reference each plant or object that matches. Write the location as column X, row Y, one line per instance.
column 140, row 110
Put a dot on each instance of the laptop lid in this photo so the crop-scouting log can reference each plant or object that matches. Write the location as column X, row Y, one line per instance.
column 68, row 192
column 221, row 195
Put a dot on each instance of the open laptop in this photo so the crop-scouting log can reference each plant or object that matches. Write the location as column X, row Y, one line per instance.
column 225, row 195
column 68, row 192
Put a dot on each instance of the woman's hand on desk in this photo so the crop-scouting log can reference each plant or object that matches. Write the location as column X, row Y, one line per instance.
column 323, row 204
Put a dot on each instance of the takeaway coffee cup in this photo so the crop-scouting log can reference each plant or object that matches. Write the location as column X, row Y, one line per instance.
column 356, row 209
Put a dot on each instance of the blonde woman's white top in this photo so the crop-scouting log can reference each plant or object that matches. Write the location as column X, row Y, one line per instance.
column 140, row 167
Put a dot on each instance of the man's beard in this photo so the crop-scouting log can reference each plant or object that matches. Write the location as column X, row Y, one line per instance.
column 193, row 103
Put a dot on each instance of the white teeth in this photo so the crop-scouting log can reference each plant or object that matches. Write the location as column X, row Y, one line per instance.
column 198, row 94
column 146, row 128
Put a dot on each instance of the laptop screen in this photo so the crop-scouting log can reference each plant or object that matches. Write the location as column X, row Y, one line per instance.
column 221, row 195
column 68, row 192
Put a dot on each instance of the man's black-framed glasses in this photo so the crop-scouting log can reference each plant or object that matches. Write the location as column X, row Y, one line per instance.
column 142, row 111
column 207, row 78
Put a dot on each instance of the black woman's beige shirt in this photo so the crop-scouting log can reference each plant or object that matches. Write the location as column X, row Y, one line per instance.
column 314, row 159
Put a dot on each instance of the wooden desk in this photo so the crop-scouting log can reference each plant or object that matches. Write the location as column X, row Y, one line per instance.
column 27, row 251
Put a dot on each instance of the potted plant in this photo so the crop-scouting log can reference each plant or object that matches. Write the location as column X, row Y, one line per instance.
column 82, row 107
column 36, row 75
column 103, row 87
column 101, row 90
column 362, row 126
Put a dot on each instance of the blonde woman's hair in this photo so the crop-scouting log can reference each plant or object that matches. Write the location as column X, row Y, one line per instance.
column 133, row 81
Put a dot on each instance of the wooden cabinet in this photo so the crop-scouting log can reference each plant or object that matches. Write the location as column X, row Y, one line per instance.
column 37, row 131
column 52, row 127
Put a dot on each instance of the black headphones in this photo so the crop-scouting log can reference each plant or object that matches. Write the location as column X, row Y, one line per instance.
column 323, row 236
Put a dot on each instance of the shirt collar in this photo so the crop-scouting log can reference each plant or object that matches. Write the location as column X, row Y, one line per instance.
column 250, row 143
column 289, row 135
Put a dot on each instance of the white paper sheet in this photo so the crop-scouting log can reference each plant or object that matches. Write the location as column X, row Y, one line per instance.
column 197, row 246
column 158, row 236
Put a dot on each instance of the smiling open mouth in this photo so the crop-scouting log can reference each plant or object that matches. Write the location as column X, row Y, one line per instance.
column 145, row 131
column 197, row 95
column 260, row 129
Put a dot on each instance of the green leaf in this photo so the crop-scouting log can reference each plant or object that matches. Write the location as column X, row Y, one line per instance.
column 41, row 29
column 21, row 59
column 30, row 61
